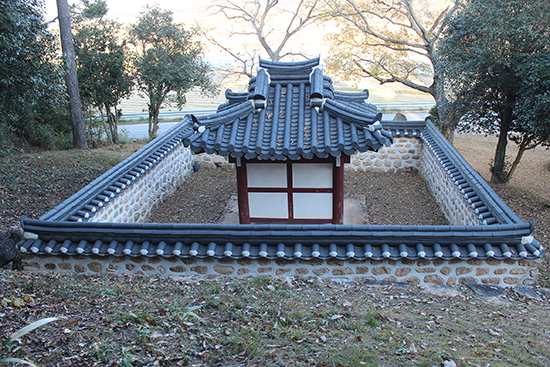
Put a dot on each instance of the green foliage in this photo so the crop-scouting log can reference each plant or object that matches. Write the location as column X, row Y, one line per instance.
column 167, row 59
column 102, row 67
column 87, row 10
column 31, row 80
column 499, row 72
column 533, row 103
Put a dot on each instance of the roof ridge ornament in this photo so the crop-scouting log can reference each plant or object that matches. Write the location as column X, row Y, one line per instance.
column 276, row 65
column 317, row 96
column 261, row 89
column 196, row 124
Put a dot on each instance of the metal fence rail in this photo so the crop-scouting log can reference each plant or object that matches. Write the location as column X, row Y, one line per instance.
column 386, row 106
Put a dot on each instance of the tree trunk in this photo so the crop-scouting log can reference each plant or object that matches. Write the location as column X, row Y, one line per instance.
column 107, row 131
column 115, row 124
column 151, row 137
column 448, row 132
column 499, row 165
column 75, row 105
column 154, row 132
column 522, row 149
column 447, row 123
column 113, row 127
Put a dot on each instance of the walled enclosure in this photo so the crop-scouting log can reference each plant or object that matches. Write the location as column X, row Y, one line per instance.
column 409, row 153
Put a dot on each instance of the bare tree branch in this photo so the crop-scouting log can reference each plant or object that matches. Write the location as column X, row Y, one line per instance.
column 393, row 33
column 259, row 18
column 393, row 78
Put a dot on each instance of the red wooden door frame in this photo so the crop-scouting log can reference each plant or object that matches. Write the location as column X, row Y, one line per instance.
column 337, row 190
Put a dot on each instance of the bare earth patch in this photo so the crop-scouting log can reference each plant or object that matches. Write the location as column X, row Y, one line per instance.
column 203, row 197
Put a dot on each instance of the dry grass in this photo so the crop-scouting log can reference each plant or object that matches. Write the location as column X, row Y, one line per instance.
column 118, row 320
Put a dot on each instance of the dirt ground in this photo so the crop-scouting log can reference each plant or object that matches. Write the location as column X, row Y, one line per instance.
column 203, row 198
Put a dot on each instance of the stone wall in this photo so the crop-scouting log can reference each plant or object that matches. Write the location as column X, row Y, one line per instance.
column 504, row 273
column 452, row 204
column 211, row 160
column 404, row 155
column 136, row 202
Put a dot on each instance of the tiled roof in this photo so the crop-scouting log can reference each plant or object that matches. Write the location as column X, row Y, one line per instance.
column 59, row 233
column 289, row 241
column 290, row 111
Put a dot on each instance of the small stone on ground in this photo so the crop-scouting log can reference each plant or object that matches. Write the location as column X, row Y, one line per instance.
column 528, row 292
column 487, row 290
column 440, row 290
column 385, row 283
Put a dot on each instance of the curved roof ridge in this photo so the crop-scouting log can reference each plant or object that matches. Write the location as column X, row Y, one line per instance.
column 352, row 96
column 227, row 115
column 350, row 115
column 235, row 96
column 283, row 65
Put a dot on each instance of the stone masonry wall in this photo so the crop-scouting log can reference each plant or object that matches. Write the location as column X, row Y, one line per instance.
column 211, row 160
column 451, row 202
column 403, row 155
column 504, row 273
column 406, row 154
column 136, row 202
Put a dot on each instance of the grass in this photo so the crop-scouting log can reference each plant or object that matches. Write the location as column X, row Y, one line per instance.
column 121, row 320
column 32, row 184
column 269, row 322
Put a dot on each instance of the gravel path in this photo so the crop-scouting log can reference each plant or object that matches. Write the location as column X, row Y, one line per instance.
column 385, row 198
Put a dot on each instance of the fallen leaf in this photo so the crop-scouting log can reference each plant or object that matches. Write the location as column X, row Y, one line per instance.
column 156, row 334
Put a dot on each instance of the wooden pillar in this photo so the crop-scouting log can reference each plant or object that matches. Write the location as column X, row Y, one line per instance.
column 338, row 191
column 242, row 192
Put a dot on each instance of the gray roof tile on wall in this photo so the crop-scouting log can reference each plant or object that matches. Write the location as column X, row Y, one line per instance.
column 66, row 230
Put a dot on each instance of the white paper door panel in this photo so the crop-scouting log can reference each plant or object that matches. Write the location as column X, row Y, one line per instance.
column 266, row 175
column 312, row 205
column 268, row 204
column 312, row 175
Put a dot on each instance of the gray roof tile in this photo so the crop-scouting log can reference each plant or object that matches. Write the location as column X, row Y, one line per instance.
column 291, row 111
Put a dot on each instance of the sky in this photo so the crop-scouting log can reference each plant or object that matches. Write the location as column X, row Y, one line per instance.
column 127, row 11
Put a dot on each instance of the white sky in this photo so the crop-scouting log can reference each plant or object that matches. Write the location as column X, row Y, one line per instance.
column 194, row 12
column 127, row 11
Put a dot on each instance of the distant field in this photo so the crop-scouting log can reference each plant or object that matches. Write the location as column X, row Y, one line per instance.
column 195, row 101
